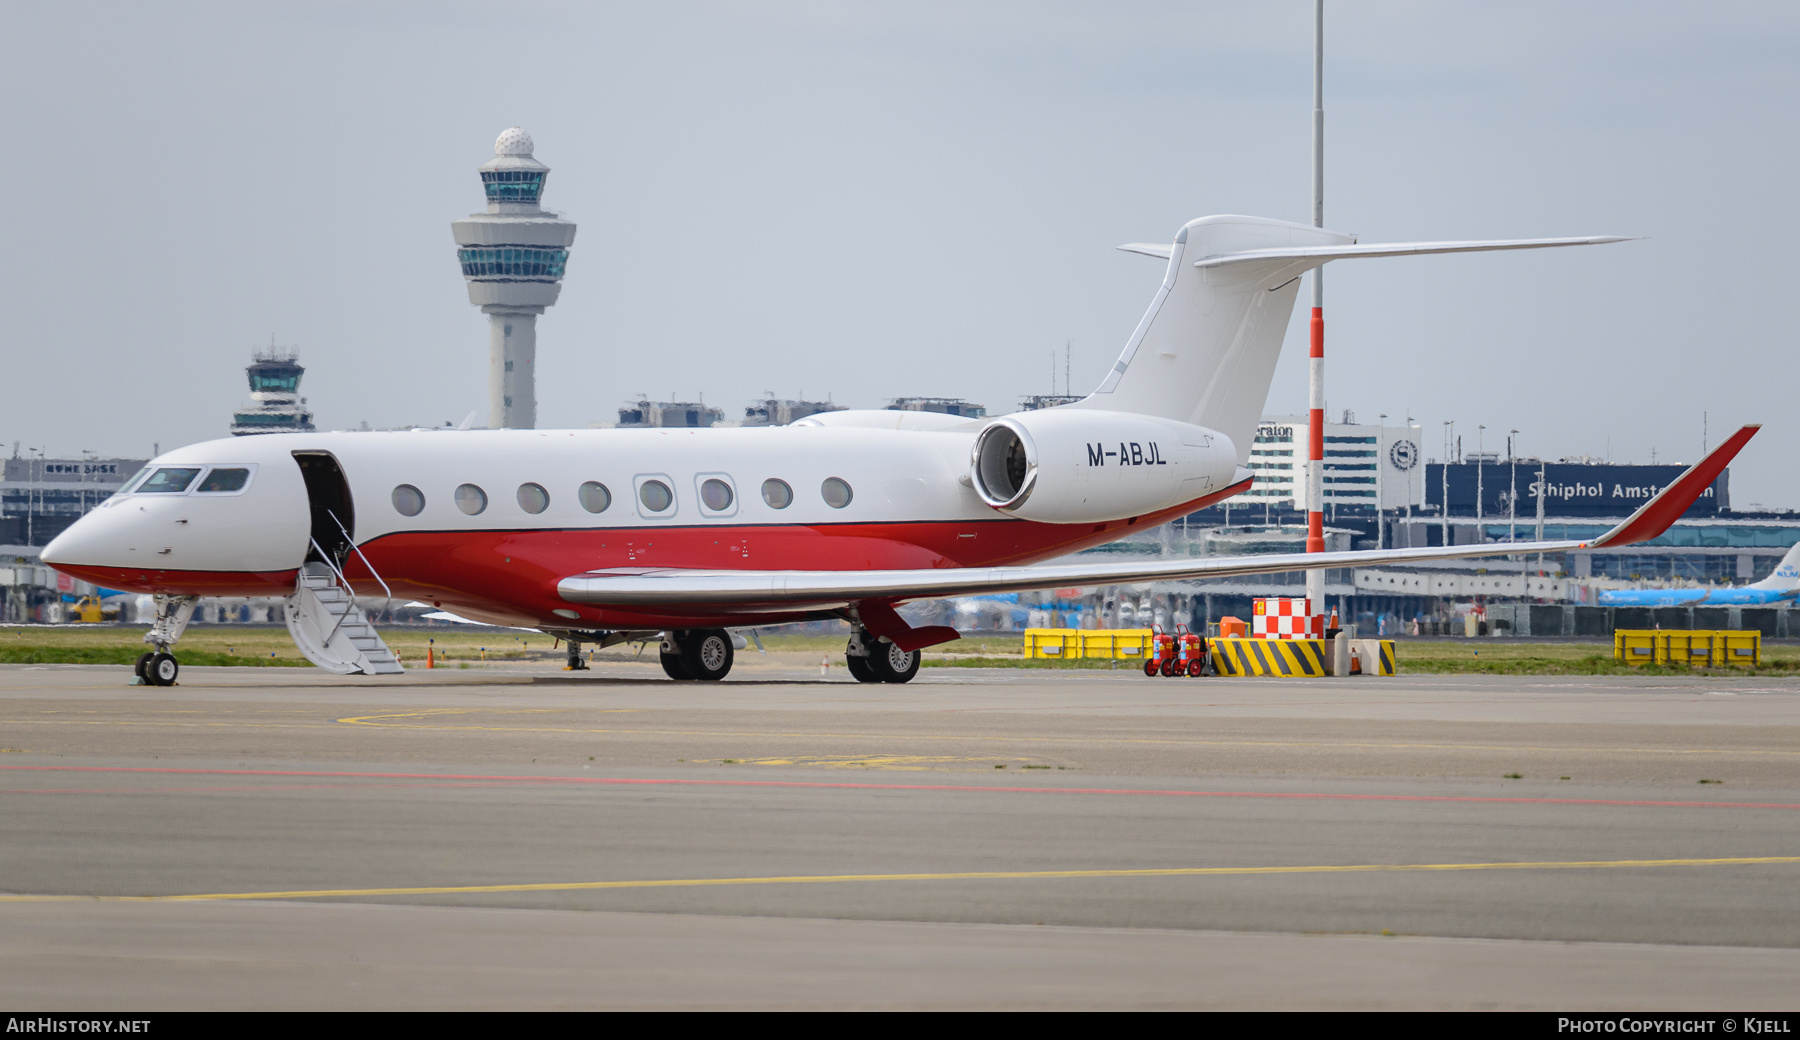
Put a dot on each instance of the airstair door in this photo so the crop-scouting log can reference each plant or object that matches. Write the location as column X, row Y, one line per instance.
column 333, row 513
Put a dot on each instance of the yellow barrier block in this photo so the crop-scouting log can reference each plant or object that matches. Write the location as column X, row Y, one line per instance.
column 1055, row 643
column 1269, row 656
column 1742, row 649
column 1378, row 657
column 1703, row 647
column 1072, row 644
column 1295, row 656
column 1124, row 643
column 1634, row 646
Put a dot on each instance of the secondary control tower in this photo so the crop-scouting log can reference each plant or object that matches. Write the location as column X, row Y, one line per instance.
column 513, row 257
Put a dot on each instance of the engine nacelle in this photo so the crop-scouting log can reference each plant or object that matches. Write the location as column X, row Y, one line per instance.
column 1079, row 465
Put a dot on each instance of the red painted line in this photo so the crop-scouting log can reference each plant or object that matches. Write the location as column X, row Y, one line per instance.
column 970, row 788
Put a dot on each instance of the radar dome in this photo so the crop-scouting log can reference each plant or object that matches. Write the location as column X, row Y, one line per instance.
column 513, row 141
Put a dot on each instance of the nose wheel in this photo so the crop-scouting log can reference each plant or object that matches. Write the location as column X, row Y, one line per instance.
column 159, row 668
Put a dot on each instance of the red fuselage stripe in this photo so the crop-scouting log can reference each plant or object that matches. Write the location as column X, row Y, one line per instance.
column 512, row 574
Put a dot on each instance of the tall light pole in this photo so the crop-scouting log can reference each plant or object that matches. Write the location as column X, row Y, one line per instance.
column 1315, row 419
column 1449, row 432
column 1380, row 464
column 1512, row 494
column 1480, row 464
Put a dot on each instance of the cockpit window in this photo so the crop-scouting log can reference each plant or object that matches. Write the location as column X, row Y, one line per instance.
column 223, row 478
column 169, row 481
column 125, row 488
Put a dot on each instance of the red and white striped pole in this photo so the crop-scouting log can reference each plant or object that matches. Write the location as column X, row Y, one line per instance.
column 1315, row 417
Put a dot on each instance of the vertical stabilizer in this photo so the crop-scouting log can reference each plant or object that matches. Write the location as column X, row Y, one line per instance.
column 1205, row 352
column 1787, row 573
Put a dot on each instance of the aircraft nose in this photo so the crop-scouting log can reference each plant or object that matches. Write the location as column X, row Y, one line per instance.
column 77, row 543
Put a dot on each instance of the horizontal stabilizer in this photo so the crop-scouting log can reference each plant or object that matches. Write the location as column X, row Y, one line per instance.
column 1158, row 250
column 1323, row 254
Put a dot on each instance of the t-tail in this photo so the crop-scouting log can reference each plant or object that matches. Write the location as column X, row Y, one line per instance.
column 1205, row 351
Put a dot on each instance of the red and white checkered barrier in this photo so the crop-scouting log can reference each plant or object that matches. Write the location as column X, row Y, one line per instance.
column 1286, row 619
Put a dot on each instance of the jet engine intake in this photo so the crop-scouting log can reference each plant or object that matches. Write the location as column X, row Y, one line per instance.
column 1081, row 465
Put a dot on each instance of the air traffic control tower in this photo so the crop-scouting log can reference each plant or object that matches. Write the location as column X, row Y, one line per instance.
column 512, row 257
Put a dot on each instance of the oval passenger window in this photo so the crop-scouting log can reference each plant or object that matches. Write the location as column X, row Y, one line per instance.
column 408, row 500
column 470, row 499
column 715, row 494
column 594, row 497
column 777, row 493
column 533, row 498
column 836, row 492
column 655, row 495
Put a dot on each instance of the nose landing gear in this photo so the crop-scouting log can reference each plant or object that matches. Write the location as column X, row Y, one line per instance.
column 159, row 668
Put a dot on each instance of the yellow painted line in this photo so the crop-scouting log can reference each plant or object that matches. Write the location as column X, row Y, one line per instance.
column 914, row 763
column 978, row 875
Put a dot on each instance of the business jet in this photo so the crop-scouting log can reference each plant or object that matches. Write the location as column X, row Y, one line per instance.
column 1781, row 587
column 680, row 535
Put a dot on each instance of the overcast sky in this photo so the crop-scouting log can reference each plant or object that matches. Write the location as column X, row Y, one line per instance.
column 873, row 200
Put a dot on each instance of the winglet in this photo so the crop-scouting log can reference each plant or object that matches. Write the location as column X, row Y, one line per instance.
column 1655, row 516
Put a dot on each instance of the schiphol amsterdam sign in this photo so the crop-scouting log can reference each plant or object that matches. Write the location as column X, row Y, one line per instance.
column 1568, row 489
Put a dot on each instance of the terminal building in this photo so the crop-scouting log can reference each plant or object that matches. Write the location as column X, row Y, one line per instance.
column 774, row 411
column 40, row 497
column 945, row 405
column 669, row 415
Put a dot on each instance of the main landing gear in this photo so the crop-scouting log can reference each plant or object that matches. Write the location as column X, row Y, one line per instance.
column 697, row 653
column 159, row 667
column 876, row 660
column 576, row 663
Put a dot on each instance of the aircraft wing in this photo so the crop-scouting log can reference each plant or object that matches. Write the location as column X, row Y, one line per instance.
column 833, row 589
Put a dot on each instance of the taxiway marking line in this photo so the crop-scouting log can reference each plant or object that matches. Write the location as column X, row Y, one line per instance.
column 501, row 780
column 973, row 875
column 380, row 722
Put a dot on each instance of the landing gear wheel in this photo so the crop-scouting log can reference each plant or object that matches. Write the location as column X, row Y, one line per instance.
column 161, row 669
column 1197, row 667
column 143, row 660
column 673, row 667
column 889, row 663
column 859, row 668
column 707, row 654
column 1150, row 667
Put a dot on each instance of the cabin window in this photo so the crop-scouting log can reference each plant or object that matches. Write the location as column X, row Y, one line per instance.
column 408, row 500
column 533, row 498
column 777, row 493
column 656, row 496
column 470, row 499
column 168, row 481
column 594, row 496
column 836, row 492
column 225, row 479
column 716, row 495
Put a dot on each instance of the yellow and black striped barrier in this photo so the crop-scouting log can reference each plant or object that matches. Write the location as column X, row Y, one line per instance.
column 1295, row 656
